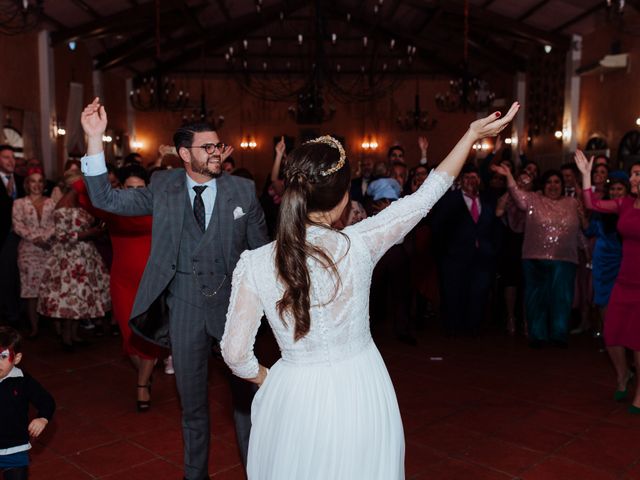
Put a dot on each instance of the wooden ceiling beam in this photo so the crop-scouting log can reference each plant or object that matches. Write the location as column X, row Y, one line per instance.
column 224, row 9
column 532, row 10
column 598, row 6
column 188, row 48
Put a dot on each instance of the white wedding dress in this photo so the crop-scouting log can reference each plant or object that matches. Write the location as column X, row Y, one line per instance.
column 327, row 410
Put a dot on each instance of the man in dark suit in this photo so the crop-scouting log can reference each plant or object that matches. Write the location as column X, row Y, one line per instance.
column 11, row 188
column 363, row 176
column 467, row 236
column 203, row 219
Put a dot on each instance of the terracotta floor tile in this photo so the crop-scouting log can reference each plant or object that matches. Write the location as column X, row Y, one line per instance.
column 112, row 458
column 503, row 456
column 455, row 469
column 162, row 442
column 555, row 468
column 153, row 470
column 58, row 469
column 72, row 440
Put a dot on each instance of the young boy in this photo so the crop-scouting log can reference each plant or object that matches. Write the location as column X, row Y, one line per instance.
column 17, row 390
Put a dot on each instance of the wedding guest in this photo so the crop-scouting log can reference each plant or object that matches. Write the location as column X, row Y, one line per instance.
column 622, row 320
column 467, row 241
column 131, row 240
column 33, row 223
column 75, row 283
column 607, row 252
column 510, row 256
column 11, row 188
column 550, row 255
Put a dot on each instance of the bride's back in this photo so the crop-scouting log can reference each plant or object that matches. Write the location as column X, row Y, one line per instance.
column 339, row 310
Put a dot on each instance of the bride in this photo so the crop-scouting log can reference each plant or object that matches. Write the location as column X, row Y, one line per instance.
column 327, row 408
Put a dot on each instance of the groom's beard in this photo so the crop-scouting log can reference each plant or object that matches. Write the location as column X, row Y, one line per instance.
column 212, row 168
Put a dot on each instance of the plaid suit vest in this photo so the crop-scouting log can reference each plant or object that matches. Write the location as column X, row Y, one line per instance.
column 201, row 276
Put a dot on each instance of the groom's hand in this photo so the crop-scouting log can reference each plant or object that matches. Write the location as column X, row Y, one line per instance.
column 94, row 124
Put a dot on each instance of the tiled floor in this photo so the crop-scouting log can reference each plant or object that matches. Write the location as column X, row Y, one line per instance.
column 486, row 408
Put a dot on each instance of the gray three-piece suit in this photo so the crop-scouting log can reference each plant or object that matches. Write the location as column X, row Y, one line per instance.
column 191, row 270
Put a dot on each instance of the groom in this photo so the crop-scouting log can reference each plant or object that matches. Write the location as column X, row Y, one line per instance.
column 202, row 221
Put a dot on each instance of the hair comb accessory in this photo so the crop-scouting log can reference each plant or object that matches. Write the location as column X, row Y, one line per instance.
column 332, row 142
column 34, row 170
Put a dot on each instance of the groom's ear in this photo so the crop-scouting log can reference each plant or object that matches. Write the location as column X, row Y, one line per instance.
column 184, row 155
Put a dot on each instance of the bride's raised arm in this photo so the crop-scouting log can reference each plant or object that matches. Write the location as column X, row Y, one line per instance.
column 394, row 222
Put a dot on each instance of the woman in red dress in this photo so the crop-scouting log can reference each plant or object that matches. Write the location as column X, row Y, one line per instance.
column 131, row 242
column 622, row 320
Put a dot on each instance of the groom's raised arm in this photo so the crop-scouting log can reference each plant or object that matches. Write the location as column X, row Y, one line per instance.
column 129, row 202
column 121, row 202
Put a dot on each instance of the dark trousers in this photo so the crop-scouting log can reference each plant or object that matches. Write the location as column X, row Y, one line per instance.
column 191, row 350
column 548, row 295
column 390, row 295
column 10, row 281
column 464, row 294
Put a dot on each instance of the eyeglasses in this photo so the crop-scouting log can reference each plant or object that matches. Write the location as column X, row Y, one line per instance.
column 211, row 147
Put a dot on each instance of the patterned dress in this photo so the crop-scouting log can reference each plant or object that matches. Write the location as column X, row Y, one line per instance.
column 75, row 284
column 30, row 229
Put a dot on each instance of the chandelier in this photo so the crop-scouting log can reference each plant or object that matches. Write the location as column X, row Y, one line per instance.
column 466, row 92
column 203, row 114
column 157, row 93
column 615, row 6
column 416, row 119
column 309, row 107
column 19, row 16
column 316, row 70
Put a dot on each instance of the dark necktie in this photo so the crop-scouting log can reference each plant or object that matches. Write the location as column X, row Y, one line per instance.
column 198, row 206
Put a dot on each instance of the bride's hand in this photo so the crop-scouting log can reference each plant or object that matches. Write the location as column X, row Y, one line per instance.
column 493, row 124
column 262, row 375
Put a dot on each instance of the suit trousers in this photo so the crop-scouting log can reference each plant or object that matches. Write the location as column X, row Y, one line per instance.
column 191, row 350
column 464, row 291
column 548, row 295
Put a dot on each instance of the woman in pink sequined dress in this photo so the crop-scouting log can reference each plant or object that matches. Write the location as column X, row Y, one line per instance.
column 622, row 320
column 549, row 256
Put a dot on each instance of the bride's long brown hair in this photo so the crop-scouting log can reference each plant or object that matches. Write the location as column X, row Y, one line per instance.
column 306, row 191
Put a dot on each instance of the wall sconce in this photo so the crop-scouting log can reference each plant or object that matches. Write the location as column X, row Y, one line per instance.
column 563, row 135
column 59, row 129
column 481, row 146
column 108, row 139
column 369, row 144
column 250, row 143
column 136, row 144
column 558, row 134
column 638, row 121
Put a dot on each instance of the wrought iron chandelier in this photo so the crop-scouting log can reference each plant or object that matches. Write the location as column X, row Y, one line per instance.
column 466, row 92
column 416, row 119
column 315, row 82
column 19, row 16
column 158, row 93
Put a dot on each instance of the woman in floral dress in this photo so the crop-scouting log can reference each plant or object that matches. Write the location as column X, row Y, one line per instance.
column 33, row 223
column 75, row 284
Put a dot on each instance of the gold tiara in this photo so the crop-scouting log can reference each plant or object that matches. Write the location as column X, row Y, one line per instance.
column 332, row 142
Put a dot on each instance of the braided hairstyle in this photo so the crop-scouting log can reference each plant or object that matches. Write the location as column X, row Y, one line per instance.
column 308, row 188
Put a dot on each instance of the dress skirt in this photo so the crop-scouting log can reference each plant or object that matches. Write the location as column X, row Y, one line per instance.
column 319, row 421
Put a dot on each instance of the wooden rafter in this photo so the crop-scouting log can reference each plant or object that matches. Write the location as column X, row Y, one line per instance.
column 598, row 6
column 224, row 9
column 189, row 47
column 532, row 10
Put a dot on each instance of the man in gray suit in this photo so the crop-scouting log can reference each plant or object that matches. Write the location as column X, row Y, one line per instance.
column 203, row 220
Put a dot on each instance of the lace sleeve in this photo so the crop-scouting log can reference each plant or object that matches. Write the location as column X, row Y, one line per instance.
column 383, row 230
column 243, row 320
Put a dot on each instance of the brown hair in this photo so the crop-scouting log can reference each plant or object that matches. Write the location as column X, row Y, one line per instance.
column 10, row 339
column 306, row 191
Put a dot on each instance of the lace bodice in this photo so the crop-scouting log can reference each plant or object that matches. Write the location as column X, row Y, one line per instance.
column 339, row 323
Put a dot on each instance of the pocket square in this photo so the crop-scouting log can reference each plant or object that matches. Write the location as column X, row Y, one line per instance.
column 237, row 213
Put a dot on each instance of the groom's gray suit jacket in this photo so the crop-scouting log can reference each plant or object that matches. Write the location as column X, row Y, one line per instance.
column 189, row 264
